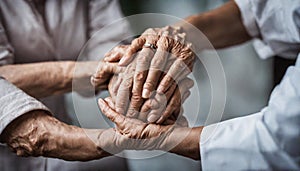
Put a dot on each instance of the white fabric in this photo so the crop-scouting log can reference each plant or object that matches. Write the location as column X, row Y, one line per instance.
column 272, row 23
column 15, row 103
column 267, row 140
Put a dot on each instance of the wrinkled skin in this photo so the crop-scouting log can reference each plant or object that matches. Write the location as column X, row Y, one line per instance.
column 168, row 65
column 39, row 134
column 163, row 107
column 134, row 134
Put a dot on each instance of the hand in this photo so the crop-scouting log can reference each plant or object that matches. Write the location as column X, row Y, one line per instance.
column 36, row 133
column 161, row 107
column 132, row 133
column 178, row 65
column 103, row 74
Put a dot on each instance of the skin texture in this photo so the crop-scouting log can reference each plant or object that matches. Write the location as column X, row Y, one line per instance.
column 134, row 133
column 53, row 78
column 172, row 39
column 165, row 108
column 38, row 134
column 150, row 69
column 222, row 26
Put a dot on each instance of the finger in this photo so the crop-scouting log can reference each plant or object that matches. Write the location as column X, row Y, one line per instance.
column 112, row 115
column 180, row 95
column 123, row 96
column 150, row 104
column 135, row 46
column 111, row 85
column 124, row 90
column 155, row 114
column 104, row 71
column 170, row 92
column 157, row 66
column 142, row 65
column 171, row 107
column 172, row 76
column 156, row 105
column 110, row 102
column 134, row 106
column 185, row 96
column 188, row 70
column 116, row 53
column 117, row 85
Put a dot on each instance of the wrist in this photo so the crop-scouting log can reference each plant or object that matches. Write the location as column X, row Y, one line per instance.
column 72, row 143
column 184, row 141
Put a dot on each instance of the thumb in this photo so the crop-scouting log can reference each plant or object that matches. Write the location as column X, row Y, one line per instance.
column 112, row 115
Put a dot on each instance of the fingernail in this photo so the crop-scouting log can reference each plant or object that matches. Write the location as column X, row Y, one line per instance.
column 146, row 93
column 152, row 118
column 101, row 102
column 122, row 61
column 105, row 59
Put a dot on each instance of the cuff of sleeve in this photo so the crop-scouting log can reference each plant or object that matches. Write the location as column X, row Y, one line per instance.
column 263, row 50
column 15, row 103
column 248, row 17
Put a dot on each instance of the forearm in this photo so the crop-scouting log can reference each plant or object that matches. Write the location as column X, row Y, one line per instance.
column 222, row 26
column 186, row 142
column 47, row 78
column 38, row 134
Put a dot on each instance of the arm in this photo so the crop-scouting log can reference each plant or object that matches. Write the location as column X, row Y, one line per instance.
column 189, row 146
column 46, row 78
column 50, row 78
column 267, row 140
column 27, row 127
column 222, row 26
column 36, row 133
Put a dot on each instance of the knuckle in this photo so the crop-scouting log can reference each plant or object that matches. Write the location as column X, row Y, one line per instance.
column 105, row 109
column 157, row 63
column 168, row 80
column 126, row 84
column 140, row 76
column 163, row 43
column 137, row 42
column 149, row 85
column 144, row 57
column 135, row 99
column 132, row 113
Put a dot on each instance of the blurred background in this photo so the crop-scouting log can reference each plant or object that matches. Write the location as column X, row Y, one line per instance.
column 249, row 82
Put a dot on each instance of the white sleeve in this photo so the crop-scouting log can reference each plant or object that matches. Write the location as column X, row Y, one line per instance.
column 273, row 24
column 14, row 103
column 268, row 140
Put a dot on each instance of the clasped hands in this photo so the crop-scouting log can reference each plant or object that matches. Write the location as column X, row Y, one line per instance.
column 148, row 86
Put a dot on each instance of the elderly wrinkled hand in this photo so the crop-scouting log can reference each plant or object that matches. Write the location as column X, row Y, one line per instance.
column 134, row 134
column 153, row 72
column 161, row 108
